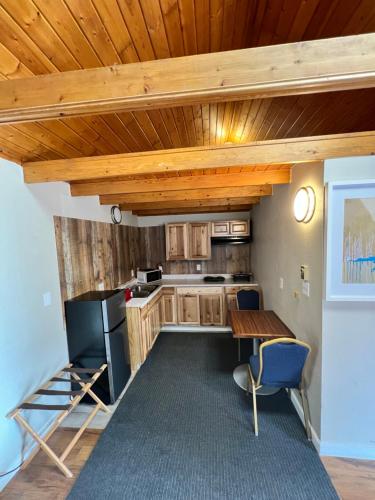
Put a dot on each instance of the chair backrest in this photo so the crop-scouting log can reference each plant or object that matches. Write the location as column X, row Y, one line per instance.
column 248, row 299
column 282, row 362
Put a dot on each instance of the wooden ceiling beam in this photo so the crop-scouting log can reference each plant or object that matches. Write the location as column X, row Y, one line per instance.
column 302, row 149
column 196, row 194
column 181, row 183
column 199, row 210
column 161, row 205
column 277, row 70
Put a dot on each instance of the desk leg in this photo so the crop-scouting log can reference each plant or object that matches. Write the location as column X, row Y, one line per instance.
column 255, row 347
column 239, row 349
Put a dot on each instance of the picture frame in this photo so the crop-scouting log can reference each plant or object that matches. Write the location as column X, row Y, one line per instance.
column 350, row 241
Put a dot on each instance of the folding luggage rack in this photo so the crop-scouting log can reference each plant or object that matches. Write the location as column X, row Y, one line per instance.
column 76, row 396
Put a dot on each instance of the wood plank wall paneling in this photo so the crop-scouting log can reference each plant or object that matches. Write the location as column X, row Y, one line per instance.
column 90, row 253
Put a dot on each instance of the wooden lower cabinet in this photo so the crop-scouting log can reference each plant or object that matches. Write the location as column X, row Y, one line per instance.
column 211, row 310
column 168, row 308
column 188, row 309
column 230, row 304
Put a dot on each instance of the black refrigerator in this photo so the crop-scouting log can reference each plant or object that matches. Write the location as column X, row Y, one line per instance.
column 97, row 333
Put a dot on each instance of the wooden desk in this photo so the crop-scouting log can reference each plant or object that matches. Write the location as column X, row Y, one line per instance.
column 255, row 325
column 258, row 325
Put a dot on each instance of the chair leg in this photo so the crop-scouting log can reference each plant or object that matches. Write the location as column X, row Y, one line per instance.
column 255, row 412
column 306, row 413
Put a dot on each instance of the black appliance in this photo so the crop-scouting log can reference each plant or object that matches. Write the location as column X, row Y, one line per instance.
column 214, row 279
column 242, row 276
column 230, row 240
column 97, row 333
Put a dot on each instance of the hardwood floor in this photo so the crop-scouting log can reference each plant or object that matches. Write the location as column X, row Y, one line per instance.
column 353, row 479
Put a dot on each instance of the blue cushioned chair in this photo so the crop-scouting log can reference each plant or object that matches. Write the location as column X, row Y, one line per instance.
column 248, row 299
column 280, row 363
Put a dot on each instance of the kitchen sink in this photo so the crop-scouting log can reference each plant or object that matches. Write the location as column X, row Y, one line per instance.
column 141, row 291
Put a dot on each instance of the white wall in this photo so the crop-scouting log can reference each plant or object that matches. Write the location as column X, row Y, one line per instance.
column 164, row 219
column 280, row 246
column 32, row 337
column 57, row 199
column 348, row 395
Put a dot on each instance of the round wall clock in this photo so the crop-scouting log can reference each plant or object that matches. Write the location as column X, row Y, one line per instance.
column 116, row 214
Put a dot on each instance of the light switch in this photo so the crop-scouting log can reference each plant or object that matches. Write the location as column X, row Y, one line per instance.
column 47, row 299
column 304, row 273
column 281, row 283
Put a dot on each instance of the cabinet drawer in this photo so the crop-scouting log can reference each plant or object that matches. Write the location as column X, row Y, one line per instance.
column 220, row 228
column 210, row 290
column 239, row 228
column 169, row 290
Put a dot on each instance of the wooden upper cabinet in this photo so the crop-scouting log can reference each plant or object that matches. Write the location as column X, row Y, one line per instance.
column 188, row 241
column 220, row 229
column 176, row 241
column 230, row 228
column 199, row 234
column 239, row 228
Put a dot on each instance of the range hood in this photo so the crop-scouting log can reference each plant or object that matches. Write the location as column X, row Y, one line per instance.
column 230, row 240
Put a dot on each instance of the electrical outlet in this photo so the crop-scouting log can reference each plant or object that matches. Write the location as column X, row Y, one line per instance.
column 101, row 286
column 47, row 299
column 281, row 283
column 132, row 273
column 160, row 268
column 199, row 267
column 306, row 288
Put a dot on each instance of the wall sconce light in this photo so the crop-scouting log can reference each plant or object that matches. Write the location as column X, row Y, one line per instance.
column 304, row 204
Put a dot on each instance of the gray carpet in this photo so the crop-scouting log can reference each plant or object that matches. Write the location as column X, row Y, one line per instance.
column 183, row 431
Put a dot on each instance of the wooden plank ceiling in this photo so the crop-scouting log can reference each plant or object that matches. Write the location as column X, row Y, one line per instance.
column 46, row 36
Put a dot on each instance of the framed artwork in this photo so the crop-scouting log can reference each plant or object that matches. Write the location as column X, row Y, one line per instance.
column 350, row 237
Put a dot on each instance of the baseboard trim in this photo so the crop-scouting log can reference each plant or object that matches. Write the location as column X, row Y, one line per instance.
column 347, row 450
column 330, row 449
column 193, row 328
column 42, row 431
column 298, row 406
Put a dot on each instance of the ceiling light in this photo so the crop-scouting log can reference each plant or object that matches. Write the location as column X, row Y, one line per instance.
column 304, row 204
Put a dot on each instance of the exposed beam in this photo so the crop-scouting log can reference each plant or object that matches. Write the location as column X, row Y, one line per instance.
column 180, row 183
column 296, row 68
column 223, row 202
column 197, row 194
column 300, row 149
column 199, row 210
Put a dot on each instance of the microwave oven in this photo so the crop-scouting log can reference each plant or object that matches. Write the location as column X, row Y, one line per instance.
column 148, row 275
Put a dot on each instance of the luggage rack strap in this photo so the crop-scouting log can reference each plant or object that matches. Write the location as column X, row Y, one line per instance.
column 81, row 370
column 53, row 392
column 36, row 406
column 69, row 380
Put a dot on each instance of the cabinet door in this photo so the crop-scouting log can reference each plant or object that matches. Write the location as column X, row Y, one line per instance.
column 211, row 310
column 176, row 241
column 239, row 228
column 199, row 240
column 169, row 310
column 220, row 228
column 145, row 336
column 188, row 309
column 231, row 304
